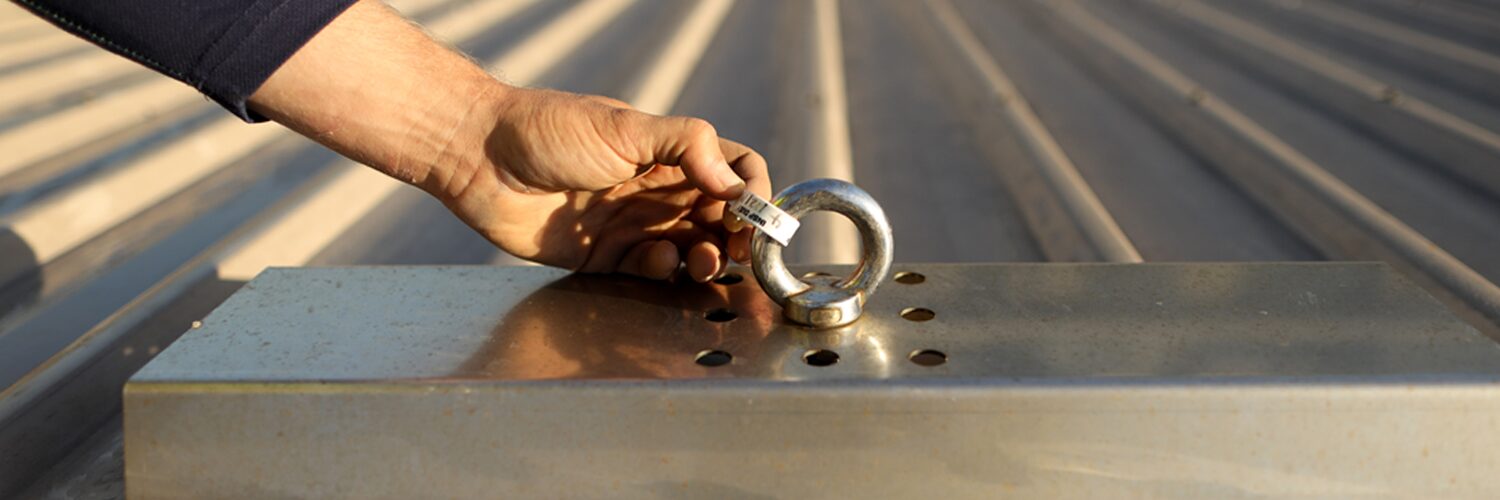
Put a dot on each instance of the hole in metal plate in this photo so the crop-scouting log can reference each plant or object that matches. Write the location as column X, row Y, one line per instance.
column 721, row 315
column 910, row 278
column 820, row 357
column 918, row 314
column 714, row 357
column 729, row 279
column 928, row 357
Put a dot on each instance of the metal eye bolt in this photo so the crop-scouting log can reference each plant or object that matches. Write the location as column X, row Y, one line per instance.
column 826, row 301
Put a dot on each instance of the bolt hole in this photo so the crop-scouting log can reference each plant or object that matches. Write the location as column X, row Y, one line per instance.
column 729, row 279
column 820, row 357
column 928, row 357
column 721, row 315
column 714, row 358
column 815, row 274
column 918, row 314
column 910, row 278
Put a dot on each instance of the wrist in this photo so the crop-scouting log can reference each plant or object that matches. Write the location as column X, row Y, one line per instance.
column 444, row 148
column 380, row 91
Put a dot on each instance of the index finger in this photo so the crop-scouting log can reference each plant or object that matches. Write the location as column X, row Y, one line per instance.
column 751, row 167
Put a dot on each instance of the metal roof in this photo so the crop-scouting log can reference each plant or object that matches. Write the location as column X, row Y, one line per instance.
column 1034, row 130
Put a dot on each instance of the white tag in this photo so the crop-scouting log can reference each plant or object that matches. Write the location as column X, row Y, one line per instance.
column 768, row 218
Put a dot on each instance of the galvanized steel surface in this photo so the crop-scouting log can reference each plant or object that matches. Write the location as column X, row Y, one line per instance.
column 1176, row 380
column 991, row 131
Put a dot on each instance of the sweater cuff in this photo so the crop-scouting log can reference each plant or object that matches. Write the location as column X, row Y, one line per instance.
column 270, row 32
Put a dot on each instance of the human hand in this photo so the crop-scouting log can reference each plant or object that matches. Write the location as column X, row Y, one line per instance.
column 581, row 182
column 586, row 183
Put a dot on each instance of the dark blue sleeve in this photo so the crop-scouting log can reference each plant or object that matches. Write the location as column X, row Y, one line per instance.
column 224, row 48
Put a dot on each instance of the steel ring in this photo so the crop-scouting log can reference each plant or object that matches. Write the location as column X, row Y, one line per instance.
column 826, row 302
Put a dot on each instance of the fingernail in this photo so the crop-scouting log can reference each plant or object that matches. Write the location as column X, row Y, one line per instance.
column 733, row 223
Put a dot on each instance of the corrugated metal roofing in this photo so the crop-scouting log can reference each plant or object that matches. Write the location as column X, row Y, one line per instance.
column 1160, row 130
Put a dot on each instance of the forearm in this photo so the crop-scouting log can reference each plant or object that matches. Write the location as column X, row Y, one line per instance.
column 379, row 90
column 577, row 181
column 582, row 182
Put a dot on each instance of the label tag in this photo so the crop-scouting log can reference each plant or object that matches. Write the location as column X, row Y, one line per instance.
column 768, row 218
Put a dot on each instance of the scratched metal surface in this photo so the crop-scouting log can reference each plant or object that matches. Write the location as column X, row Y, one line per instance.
column 97, row 273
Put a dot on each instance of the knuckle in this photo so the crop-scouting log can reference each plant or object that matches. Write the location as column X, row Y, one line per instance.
column 612, row 102
column 755, row 159
column 620, row 115
column 699, row 129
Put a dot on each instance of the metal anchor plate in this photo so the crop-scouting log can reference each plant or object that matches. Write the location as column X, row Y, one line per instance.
column 1319, row 379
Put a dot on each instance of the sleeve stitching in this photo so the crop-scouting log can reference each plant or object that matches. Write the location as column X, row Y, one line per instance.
column 207, row 72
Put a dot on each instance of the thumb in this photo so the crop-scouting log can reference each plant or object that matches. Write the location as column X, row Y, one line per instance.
column 692, row 145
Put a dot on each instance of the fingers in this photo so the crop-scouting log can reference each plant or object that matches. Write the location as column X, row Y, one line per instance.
column 686, row 247
column 708, row 161
column 690, row 144
column 660, row 259
column 657, row 259
column 704, row 261
column 720, row 168
column 739, row 245
column 751, row 167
